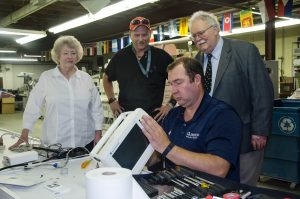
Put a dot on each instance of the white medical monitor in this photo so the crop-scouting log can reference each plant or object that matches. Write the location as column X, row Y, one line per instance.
column 124, row 144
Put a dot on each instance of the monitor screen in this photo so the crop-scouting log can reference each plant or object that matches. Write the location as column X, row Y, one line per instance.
column 124, row 144
column 132, row 147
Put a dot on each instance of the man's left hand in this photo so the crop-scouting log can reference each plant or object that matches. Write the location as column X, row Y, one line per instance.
column 258, row 142
column 162, row 112
column 155, row 134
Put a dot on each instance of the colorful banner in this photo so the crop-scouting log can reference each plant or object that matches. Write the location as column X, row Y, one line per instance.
column 227, row 22
column 267, row 10
column 285, row 8
column 151, row 37
column 92, row 51
column 104, row 47
column 114, row 45
column 122, row 42
column 160, row 32
column 99, row 47
column 183, row 26
column 246, row 19
column 108, row 49
column 85, row 51
column 172, row 26
column 119, row 43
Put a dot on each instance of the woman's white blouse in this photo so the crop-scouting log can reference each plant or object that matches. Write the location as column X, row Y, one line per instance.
column 73, row 109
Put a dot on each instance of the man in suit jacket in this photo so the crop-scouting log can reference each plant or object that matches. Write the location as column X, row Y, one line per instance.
column 239, row 78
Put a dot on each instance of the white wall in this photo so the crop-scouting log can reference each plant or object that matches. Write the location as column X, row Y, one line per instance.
column 11, row 71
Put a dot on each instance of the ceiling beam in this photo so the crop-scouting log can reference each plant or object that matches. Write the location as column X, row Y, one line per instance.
column 30, row 8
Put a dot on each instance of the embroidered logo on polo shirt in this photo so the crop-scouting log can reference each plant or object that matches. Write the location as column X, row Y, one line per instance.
column 193, row 136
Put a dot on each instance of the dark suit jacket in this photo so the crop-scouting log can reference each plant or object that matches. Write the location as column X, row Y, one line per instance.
column 243, row 82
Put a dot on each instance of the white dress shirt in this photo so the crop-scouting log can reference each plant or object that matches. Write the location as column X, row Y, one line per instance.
column 216, row 53
column 73, row 109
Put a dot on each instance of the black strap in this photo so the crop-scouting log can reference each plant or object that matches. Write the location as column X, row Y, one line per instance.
column 167, row 150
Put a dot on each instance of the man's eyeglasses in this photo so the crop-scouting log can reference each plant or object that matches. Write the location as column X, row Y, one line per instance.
column 140, row 21
column 200, row 33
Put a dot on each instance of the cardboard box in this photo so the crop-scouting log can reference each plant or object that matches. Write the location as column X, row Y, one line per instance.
column 8, row 105
column 8, row 100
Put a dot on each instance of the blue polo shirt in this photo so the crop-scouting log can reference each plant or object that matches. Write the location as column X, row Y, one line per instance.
column 214, row 129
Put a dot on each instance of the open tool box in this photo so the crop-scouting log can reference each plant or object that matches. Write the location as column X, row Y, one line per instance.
column 180, row 183
column 183, row 183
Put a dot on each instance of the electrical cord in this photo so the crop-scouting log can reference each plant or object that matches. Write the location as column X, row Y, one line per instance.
column 61, row 164
column 68, row 157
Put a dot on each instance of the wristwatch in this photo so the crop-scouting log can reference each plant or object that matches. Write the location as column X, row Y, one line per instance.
column 167, row 150
column 111, row 100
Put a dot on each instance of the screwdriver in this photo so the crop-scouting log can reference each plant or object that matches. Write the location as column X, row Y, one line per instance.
column 85, row 163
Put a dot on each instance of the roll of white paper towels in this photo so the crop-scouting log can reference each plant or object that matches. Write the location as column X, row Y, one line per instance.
column 109, row 183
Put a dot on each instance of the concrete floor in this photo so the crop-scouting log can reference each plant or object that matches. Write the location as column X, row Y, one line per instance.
column 13, row 122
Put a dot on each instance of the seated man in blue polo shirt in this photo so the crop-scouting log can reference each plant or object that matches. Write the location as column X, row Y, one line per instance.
column 202, row 133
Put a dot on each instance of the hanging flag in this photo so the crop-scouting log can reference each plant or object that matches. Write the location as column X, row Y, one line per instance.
column 119, row 43
column 151, row 37
column 285, row 8
column 183, row 26
column 85, row 53
column 267, row 10
column 114, row 45
column 246, row 19
column 227, row 22
column 104, row 47
column 99, row 48
column 172, row 26
column 91, row 50
column 160, row 32
column 122, row 42
column 108, row 47
column 126, row 41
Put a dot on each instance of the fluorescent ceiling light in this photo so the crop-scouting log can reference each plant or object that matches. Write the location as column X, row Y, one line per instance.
column 103, row 13
column 8, row 51
column 30, row 38
column 36, row 56
column 290, row 22
column 257, row 13
column 28, row 35
column 17, row 59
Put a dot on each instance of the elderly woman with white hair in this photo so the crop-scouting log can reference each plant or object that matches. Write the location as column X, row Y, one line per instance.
column 73, row 110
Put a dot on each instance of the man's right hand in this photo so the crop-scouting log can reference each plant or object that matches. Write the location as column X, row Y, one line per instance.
column 23, row 138
column 116, row 108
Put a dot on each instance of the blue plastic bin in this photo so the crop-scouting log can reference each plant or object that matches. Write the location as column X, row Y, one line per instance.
column 282, row 155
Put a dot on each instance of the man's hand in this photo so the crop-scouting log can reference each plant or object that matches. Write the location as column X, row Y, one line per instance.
column 258, row 142
column 155, row 134
column 116, row 108
column 162, row 112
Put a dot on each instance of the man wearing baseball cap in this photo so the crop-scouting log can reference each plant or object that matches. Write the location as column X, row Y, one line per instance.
column 140, row 70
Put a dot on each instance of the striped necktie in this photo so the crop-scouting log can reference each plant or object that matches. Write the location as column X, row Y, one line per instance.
column 207, row 76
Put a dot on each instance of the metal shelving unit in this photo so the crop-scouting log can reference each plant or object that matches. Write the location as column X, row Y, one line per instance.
column 296, row 62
